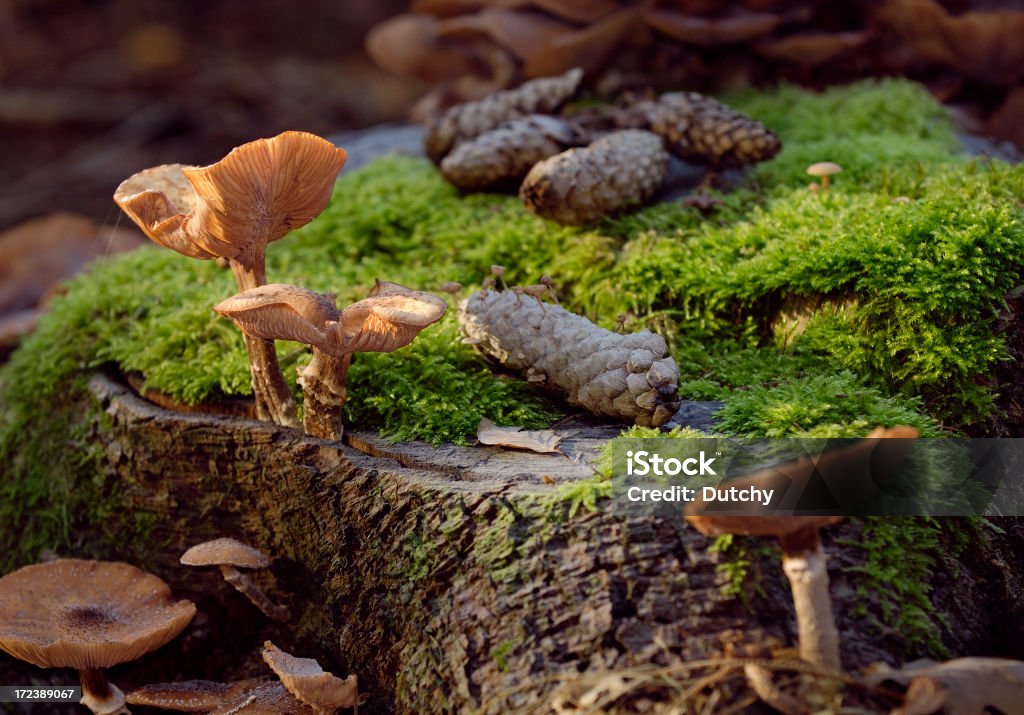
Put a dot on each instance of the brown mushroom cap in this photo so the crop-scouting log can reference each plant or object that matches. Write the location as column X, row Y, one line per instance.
column 256, row 194
column 72, row 613
column 225, row 552
column 824, row 168
column 758, row 525
column 883, row 458
column 307, row 681
column 190, row 696
column 280, row 312
column 268, row 699
column 389, row 319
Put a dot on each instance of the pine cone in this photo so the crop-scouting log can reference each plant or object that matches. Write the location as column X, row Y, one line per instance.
column 702, row 129
column 628, row 377
column 465, row 121
column 585, row 185
column 506, row 154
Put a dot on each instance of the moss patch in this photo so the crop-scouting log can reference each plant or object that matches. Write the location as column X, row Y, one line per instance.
column 904, row 297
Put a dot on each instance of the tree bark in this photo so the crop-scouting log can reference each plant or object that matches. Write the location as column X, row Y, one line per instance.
column 448, row 579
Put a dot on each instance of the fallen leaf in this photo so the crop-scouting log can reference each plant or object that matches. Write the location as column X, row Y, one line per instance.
column 813, row 49
column 525, row 34
column 984, row 45
column 518, row 438
column 36, row 254
column 709, row 32
column 967, row 686
column 586, row 48
column 924, row 697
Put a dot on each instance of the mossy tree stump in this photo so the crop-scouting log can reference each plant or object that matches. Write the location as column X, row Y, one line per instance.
column 449, row 579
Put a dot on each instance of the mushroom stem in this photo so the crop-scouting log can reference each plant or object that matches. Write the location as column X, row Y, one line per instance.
column 274, row 401
column 804, row 562
column 100, row 695
column 824, row 182
column 323, row 394
column 244, row 585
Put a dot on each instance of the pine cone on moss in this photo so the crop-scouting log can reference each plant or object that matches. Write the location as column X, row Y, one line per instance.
column 506, row 154
column 702, row 129
column 465, row 121
column 585, row 185
column 628, row 377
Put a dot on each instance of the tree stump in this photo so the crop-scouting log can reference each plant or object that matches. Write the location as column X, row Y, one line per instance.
column 451, row 579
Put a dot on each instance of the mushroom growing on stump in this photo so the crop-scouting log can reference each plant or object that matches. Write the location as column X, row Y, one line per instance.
column 307, row 681
column 390, row 318
column 233, row 209
column 88, row 615
column 271, row 698
column 230, row 555
column 803, row 560
column 190, row 696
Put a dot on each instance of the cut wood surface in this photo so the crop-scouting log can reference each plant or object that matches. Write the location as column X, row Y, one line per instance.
column 449, row 579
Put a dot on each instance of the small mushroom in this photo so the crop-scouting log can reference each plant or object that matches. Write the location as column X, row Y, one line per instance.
column 88, row 615
column 309, row 683
column 803, row 559
column 233, row 209
column 390, row 318
column 499, row 273
column 230, row 555
column 190, row 696
column 548, row 282
column 451, row 287
column 824, row 170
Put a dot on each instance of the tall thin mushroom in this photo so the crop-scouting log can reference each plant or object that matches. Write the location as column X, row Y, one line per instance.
column 388, row 319
column 233, row 209
column 868, row 461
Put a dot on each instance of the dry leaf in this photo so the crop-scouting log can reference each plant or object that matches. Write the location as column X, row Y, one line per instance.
column 984, row 45
column 968, row 685
column 710, row 32
column 812, row 49
column 525, row 34
column 586, row 48
column 518, row 438
column 924, row 697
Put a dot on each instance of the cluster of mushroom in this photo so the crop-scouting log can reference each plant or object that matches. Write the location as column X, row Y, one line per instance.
column 231, row 210
column 93, row 615
column 578, row 171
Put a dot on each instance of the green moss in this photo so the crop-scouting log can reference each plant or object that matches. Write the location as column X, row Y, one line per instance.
column 893, row 581
column 500, row 654
column 907, row 295
column 419, row 556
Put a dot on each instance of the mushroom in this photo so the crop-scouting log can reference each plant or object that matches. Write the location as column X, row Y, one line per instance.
column 499, row 273
column 190, row 696
column 309, row 683
column 824, row 170
column 88, row 615
column 268, row 699
column 451, row 287
column 868, row 461
column 230, row 555
column 390, row 318
column 233, row 209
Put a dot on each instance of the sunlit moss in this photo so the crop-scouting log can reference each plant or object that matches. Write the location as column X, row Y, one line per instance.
column 909, row 254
